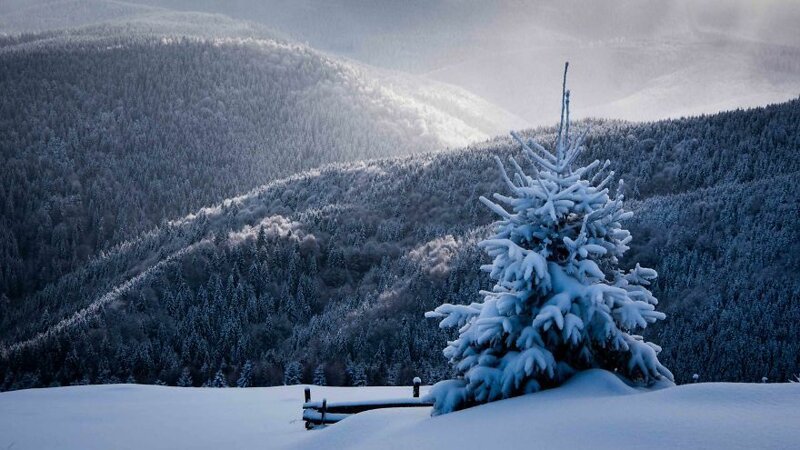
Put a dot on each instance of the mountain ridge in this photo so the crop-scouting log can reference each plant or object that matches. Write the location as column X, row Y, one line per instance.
column 349, row 246
column 114, row 128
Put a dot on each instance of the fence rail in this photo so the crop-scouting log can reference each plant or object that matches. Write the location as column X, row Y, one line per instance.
column 316, row 413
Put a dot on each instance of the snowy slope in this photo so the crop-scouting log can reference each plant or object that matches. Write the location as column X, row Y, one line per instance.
column 125, row 416
column 594, row 410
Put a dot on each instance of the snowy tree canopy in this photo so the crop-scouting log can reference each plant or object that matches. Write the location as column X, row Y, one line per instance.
column 560, row 302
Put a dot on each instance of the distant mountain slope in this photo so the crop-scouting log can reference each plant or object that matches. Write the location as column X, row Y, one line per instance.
column 110, row 129
column 335, row 266
column 647, row 79
column 632, row 59
column 31, row 16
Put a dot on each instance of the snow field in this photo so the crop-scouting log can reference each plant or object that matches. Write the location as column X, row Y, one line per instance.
column 593, row 410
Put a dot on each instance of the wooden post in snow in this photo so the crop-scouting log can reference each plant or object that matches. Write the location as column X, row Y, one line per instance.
column 417, row 382
column 307, row 395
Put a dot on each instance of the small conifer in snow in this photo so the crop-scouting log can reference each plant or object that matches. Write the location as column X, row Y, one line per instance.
column 246, row 375
column 219, row 381
column 319, row 376
column 357, row 374
column 393, row 373
column 185, row 380
column 560, row 303
column 292, row 373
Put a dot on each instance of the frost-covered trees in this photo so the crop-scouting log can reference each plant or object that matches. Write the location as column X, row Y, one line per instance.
column 185, row 380
column 246, row 375
column 220, row 380
column 73, row 161
column 356, row 373
column 319, row 376
column 560, row 302
column 705, row 192
column 293, row 373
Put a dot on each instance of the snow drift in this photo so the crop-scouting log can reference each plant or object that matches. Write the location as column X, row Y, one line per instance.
column 593, row 410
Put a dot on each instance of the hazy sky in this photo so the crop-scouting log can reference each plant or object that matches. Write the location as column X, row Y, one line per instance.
column 770, row 20
column 632, row 59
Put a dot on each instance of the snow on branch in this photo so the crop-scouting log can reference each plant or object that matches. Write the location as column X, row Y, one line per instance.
column 560, row 302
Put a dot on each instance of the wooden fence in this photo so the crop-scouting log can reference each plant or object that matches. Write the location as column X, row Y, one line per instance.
column 322, row 413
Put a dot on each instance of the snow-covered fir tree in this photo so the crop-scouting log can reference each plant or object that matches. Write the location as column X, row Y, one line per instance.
column 393, row 373
column 357, row 373
column 319, row 376
column 219, row 381
column 246, row 375
column 560, row 303
column 185, row 380
column 293, row 373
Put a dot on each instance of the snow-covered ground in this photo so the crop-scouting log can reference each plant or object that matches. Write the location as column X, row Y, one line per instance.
column 127, row 416
column 594, row 410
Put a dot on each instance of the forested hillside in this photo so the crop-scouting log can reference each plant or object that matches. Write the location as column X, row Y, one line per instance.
column 639, row 59
column 328, row 273
column 111, row 129
column 26, row 16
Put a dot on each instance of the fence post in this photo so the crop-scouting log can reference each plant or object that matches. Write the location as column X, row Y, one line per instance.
column 324, row 408
column 307, row 395
column 417, row 382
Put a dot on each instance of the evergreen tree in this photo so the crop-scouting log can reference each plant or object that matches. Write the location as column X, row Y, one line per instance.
column 246, row 375
column 219, row 381
column 7, row 381
column 104, row 375
column 319, row 376
column 185, row 380
column 83, row 381
column 293, row 373
column 356, row 373
column 393, row 373
column 560, row 302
